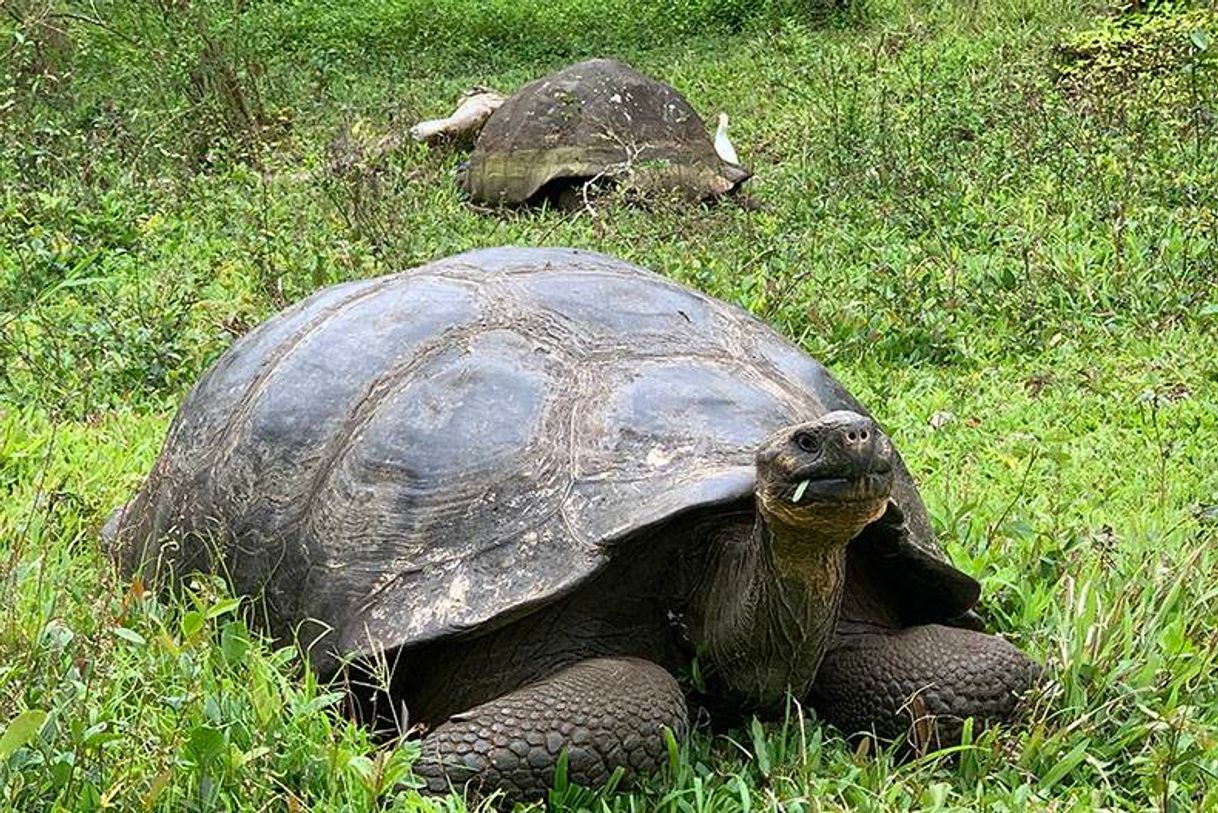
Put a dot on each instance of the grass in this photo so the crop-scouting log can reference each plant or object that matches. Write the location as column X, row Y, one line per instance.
column 995, row 220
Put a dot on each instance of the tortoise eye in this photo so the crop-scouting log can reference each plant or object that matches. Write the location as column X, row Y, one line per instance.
column 807, row 442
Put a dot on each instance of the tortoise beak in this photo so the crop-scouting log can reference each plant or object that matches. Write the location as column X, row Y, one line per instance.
column 865, row 487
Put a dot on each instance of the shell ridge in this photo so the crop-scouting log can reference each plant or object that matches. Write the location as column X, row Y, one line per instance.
column 509, row 316
column 375, row 395
column 260, row 381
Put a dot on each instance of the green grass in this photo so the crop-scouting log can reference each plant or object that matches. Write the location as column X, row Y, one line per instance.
column 995, row 220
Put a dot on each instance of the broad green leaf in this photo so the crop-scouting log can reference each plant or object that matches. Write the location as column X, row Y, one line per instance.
column 234, row 641
column 192, row 623
column 206, row 743
column 20, row 730
column 223, row 607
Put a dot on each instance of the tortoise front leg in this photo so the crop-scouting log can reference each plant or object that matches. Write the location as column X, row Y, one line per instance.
column 919, row 684
column 605, row 713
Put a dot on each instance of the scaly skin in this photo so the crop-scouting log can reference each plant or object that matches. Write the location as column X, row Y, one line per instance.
column 605, row 713
column 918, row 685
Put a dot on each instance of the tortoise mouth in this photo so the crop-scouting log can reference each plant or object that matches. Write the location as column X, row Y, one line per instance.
column 813, row 487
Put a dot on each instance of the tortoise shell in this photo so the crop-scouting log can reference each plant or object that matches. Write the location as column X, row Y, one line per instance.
column 400, row 459
column 595, row 119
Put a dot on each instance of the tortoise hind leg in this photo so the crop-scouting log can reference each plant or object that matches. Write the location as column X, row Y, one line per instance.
column 605, row 713
column 920, row 683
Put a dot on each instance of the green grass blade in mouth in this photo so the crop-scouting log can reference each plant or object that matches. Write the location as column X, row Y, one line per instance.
column 799, row 491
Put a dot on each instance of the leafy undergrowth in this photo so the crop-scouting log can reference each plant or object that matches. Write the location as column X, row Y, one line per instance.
column 1168, row 43
column 1012, row 263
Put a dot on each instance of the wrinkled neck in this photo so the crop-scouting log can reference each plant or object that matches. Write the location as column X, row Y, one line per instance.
column 769, row 604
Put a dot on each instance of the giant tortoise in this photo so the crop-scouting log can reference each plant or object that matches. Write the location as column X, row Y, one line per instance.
column 598, row 119
column 543, row 484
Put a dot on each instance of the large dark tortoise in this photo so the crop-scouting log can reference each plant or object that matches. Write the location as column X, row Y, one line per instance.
column 540, row 484
column 598, row 119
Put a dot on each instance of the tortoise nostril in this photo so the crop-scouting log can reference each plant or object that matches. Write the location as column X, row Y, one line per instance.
column 857, row 434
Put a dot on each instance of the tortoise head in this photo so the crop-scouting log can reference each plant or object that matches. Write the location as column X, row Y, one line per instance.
column 826, row 479
column 818, row 484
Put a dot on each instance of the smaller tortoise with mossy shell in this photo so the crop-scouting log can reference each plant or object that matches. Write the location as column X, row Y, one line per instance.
column 540, row 484
column 592, row 121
